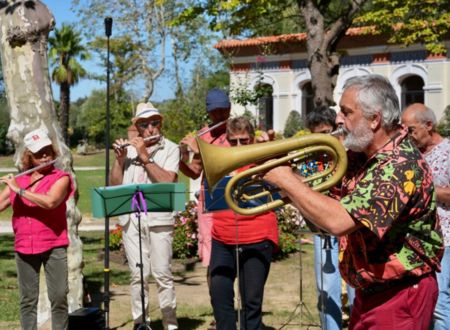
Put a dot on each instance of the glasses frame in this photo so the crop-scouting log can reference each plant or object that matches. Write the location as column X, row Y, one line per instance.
column 145, row 124
column 234, row 142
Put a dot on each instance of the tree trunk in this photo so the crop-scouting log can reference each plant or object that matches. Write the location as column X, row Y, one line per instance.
column 64, row 90
column 323, row 59
column 322, row 80
column 24, row 29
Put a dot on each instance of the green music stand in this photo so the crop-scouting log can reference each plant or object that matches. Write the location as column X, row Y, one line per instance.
column 116, row 200
column 132, row 198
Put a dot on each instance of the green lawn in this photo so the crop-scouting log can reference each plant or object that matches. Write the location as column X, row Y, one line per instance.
column 284, row 281
column 93, row 243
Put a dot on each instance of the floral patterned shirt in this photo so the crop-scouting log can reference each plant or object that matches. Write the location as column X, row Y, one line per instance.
column 439, row 160
column 392, row 196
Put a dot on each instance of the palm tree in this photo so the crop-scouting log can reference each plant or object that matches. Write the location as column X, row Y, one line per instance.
column 65, row 48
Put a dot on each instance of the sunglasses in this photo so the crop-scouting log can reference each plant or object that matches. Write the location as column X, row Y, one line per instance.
column 145, row 124
column 241, row 141
column 46, row 151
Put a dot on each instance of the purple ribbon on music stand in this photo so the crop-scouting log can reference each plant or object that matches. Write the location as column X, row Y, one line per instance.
column 137, row 201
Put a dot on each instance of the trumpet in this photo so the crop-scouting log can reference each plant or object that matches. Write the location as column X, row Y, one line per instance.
column 219, row 161
column 147, row 139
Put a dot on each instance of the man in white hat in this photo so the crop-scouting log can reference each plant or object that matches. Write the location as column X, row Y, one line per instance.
column 148, row 158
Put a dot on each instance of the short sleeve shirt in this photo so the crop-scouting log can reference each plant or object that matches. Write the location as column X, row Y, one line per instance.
column 439, row 160
column 392, row 196
column 166, row 155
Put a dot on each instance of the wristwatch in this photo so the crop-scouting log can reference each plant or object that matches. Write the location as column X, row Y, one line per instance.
column 150, row 160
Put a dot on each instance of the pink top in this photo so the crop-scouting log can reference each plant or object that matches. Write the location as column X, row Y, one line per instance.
column 37, row 229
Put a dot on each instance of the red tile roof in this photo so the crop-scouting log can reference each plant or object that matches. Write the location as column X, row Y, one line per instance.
column 298, row 37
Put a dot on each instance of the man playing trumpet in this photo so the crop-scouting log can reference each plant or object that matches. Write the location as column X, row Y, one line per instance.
column 147, row 160
column 390, row 243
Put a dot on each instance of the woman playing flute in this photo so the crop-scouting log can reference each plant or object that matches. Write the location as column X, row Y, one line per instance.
column 40, row 227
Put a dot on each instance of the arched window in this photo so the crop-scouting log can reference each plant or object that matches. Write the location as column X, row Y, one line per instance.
column 412, row 90
column 265, row 106
column 307, row 99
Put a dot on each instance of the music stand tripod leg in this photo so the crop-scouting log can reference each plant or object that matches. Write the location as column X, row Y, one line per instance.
column 144, row 325
column 304, row 310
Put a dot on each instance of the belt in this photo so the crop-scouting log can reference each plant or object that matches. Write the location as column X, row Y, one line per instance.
column 393, row 284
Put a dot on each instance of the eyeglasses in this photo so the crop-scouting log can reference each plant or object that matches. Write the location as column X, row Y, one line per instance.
column 241, row 141
column 44, row 152
column 145, row 124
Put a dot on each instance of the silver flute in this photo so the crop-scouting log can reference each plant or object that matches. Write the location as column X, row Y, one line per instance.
column 33, row 169
column 148, row 138
column 220, row 123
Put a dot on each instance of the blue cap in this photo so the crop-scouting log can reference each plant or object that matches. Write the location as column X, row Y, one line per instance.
column 217, row 99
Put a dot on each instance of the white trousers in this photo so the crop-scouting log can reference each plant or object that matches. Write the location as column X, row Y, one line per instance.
column 157, row 259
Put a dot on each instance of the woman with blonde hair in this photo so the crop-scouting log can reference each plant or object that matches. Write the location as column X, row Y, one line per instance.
column 38, row 199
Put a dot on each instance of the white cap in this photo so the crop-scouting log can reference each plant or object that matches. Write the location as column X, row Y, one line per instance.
column 145, row 110
column 36, row 140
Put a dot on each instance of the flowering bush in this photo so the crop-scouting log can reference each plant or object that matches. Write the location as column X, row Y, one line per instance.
column 115, row 238
column 185, row 237
column 289, row 223
column 185, row 232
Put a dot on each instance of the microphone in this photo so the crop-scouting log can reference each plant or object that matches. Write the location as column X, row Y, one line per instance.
column 108, row 26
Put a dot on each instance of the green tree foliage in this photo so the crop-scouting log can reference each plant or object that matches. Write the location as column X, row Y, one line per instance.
column 65, row 50
column 294, row 123
column 444, row 124
column 91, row 118
column 157, row 44
column 124, row 61
column 410, row 21
column 187, row 113
column 325, row 23
column 5, row 146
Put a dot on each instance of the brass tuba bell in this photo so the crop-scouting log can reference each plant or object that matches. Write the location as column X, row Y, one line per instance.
column 220, row 161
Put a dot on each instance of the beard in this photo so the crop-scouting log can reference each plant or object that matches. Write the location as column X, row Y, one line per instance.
column 360, row 137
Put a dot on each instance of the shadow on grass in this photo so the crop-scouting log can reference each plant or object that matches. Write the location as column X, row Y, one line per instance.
column 94, row 283
column 183, row 323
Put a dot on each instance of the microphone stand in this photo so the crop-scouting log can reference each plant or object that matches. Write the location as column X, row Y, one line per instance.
column 106, row 270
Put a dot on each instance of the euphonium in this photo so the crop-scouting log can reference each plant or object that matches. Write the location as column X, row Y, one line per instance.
column 220, row 161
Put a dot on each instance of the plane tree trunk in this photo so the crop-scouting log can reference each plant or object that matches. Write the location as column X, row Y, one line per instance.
column 24, row 29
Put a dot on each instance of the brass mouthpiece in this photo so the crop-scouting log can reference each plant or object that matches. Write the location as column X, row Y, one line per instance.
column 340, row 131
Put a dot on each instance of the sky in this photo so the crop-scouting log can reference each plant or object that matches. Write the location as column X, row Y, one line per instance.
column 62, row 13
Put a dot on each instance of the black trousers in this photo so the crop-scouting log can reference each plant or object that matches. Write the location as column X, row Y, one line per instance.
column 254, row 266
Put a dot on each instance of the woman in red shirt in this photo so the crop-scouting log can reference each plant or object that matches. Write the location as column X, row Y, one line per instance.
column 247, row 241
column 40, row 227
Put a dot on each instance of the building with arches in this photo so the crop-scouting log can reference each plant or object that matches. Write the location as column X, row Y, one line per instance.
column 279, row 63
